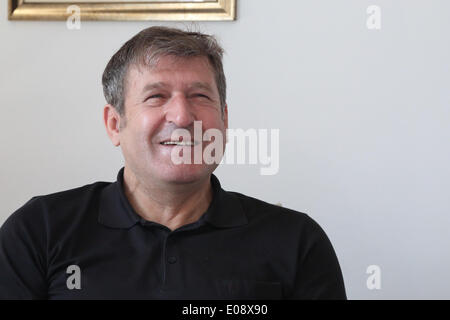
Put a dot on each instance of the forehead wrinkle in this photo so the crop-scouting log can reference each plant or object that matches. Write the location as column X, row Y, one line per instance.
column 168, row 65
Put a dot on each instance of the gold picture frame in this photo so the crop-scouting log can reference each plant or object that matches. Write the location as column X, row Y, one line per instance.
column 135, row 10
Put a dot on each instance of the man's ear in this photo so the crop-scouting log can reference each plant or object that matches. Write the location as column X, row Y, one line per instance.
column 225, row 116
column 111, row 119
column 225, row 121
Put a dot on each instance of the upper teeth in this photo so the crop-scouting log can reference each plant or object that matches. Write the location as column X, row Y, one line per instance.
column 179, row 143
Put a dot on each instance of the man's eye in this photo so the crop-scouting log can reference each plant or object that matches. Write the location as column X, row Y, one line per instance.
column 201, row 95
column 154, row 97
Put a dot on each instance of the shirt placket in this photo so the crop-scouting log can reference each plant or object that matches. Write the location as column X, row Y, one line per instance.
column 172, row 265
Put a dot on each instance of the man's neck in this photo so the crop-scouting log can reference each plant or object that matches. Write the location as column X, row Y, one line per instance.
column 172, row 206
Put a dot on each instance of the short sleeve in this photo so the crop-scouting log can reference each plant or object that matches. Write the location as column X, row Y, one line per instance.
column 23, row 254
column 319, row 275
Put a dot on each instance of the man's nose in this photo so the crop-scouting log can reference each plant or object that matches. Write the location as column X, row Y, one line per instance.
column 178, row 111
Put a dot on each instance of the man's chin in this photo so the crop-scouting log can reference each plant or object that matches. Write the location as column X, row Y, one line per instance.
column 186, row 173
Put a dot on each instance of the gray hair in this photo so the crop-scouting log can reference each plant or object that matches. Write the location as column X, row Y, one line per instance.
column 146, row 47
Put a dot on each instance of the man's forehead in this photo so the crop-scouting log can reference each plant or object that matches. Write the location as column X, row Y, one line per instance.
column 170, row 62
column 148, row 76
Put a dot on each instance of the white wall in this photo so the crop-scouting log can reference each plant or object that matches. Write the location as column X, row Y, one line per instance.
column 363, row 115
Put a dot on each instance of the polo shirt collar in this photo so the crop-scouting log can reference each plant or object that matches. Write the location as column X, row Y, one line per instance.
column 115, row 211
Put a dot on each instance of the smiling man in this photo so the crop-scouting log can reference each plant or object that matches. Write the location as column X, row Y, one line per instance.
column 161, row 96
column 164, row 229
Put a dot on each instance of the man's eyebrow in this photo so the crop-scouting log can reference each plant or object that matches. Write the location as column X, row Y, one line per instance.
column 201, row 85
column 154, row 85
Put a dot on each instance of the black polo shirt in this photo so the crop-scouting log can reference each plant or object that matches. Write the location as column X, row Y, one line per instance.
column 89, row 243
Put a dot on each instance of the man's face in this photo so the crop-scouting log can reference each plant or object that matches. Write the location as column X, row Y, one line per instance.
column 171, row 95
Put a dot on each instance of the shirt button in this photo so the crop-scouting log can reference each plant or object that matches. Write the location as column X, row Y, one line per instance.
column 172, row 260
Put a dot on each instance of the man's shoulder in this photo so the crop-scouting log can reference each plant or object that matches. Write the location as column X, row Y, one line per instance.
column 61, row 203
column 256, row 209
column 277, row 222
column 73, row 195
